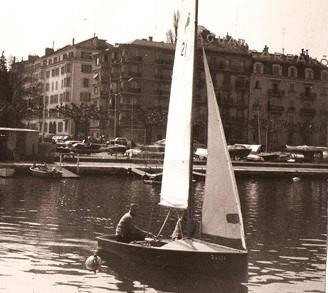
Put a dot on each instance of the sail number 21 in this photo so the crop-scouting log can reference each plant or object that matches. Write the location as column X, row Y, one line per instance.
column 184, row 49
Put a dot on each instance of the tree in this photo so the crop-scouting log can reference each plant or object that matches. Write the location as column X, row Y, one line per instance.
column 5, row 89
column 172, row 34
column 81, row 115
column 154, row 116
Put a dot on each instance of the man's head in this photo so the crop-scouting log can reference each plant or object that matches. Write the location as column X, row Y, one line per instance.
column 133, row 209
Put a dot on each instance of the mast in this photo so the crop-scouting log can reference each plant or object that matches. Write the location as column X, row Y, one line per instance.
column 190, row 214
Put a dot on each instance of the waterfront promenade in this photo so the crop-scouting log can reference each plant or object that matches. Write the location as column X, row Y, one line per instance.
column 88, row 165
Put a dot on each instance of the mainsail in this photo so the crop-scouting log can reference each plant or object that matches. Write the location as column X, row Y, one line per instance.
column 221, row 215
column 176, row 167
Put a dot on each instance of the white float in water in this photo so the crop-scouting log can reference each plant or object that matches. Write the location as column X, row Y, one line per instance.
column 93, row 263
column 296, row 179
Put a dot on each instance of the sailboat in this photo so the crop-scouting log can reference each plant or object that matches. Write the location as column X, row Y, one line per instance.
column 221, row 246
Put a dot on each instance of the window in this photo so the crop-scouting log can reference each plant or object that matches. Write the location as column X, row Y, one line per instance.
column 60, row 126
column 85, row 97
column 324, row 91
column 308, row 90
column 68, row 67
column 54, row 99
column 86, row 68
column 275, row 87
column 113, row 86
column 67, row 82
column 292, row 87
column 47, row 74
column 47, row 87
column 276, row 69
column 86, row 55
column 292, row 71
column 85, row 82
column 257, row 84
column 62, row 70
column 258, row 68
column 309, row 73
column 324, row 75
column 67, row 97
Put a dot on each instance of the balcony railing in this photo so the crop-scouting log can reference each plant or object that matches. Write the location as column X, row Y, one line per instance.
column 291, row 109
column 242, row 85
column 308, row 96
column 276, row 93
column 133, row 90
column 276, row 108
column 308, row 111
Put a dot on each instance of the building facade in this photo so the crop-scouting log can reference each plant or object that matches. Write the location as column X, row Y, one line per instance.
column 63, row 77
column 140, row 80
column 264, row 98
column 288, row 100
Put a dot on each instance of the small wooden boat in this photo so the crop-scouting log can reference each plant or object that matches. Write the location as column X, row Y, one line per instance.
column 45, row 171
column 7, row 172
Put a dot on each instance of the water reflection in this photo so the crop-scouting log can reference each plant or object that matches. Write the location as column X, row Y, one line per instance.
column 134, row 276
column 48, row 229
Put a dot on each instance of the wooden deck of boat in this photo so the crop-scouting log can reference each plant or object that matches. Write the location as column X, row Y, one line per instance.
column 198, row 245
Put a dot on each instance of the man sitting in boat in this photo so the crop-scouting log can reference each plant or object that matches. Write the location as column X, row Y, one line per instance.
column 126, row 230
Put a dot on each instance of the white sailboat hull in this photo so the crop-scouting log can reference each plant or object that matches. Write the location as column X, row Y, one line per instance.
column 192, row 255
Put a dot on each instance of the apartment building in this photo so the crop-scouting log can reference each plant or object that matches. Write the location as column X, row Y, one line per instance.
column 64, row 78
column 265, row 98
column 140, row 80
column 288, row 100
column 229, row 62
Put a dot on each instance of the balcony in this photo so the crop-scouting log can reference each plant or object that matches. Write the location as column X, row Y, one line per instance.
column 242, row 85
column 226, row 102
column 291, row 109
column 308, row 97
column 133, row 90
column 307, row 111
column 276, row 93
column 135, row 59
column 276, row 109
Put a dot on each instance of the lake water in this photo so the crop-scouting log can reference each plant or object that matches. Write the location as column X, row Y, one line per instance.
column 48, row 229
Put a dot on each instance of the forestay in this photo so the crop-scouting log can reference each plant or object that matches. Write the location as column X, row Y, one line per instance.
column 176, row 167
column 221, row 215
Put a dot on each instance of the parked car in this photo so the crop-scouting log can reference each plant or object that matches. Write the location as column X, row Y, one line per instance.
column 119, row 141
column 116, row 149
column 60, row 138
column 85, row 148
column 201, row 153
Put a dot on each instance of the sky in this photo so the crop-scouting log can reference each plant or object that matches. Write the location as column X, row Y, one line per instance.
column 28, row 27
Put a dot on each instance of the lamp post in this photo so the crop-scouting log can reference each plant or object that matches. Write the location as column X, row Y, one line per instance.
column 43, row 117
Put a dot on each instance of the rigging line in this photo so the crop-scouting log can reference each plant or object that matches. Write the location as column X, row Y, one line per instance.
column 167, row 217
column 179, row 222
column 151, row 219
